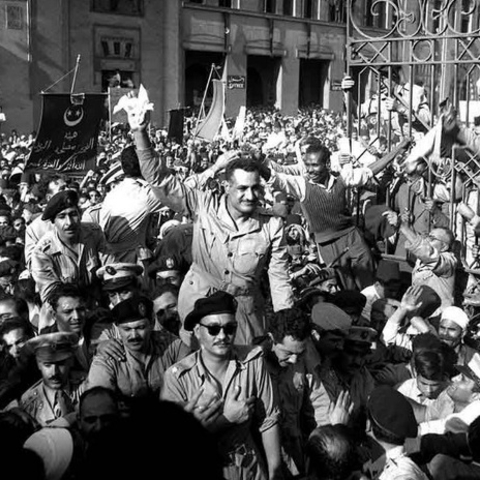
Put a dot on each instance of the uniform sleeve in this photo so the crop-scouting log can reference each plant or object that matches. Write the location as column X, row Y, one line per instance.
column 320, row 401
column 175, row 194
column 102, row 373
column 172, row 389
column 266, row 410
column 43, row 272
column 293, row 185
column 280, row 286
column 31, row 241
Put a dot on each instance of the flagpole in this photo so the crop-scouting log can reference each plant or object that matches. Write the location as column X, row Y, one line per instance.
column 75, row 74
column 202, row 106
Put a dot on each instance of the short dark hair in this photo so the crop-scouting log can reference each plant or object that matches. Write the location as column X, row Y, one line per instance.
column 383, row 435
column 430, row 364
column 290, row 322
column 331, row 452
column 130, row 163
column 65, row 290
column 98, row 390
column 248, row 164
column 321, row 149
column 14, row 323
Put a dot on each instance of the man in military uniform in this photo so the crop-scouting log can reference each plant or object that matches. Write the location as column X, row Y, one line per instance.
column 59, row 390
column 120, row 281
column 71, row 252
column 228, row 388
column 234, row 241
column 147, row 353
column 166, row 269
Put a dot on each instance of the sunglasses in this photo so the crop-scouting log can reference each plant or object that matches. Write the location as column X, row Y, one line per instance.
column 214, row 330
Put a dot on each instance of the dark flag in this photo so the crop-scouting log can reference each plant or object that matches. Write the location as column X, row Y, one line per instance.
column 175, row 128
column 67, row 137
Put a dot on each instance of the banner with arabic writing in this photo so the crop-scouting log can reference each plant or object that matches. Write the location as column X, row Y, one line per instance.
column 67, row 137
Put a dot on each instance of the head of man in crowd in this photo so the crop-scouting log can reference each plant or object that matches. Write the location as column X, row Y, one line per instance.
column 213, row 322
column 387, row 279
column 69, row 309
column 14, row 333
column 11, row 306
column 326, row 281
column 55, row 184
column 166, row 269
column 466, row 387
column 332, row 452
column 120, row 281
column 356, row 348
column 165, row 307
column 330, row 327
column 391, row 417
column 62, row 210
column 289, row 332
column 351, row 302
column 243, row 187
column 441, row 239
column 130, row 163
column 54, row 354
column 134, row 323
column 8, row 275
column 317, row 163
column 431, row 372
column 453, row 326
column 98, row 410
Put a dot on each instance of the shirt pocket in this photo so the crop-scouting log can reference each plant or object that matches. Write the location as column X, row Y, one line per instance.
column 250, row 253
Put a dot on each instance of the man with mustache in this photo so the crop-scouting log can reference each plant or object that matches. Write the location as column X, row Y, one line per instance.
column 147, row 352
column 234, row 241
column 227, row 387
column 71, row 252
column 59, row 390
column 452, row 330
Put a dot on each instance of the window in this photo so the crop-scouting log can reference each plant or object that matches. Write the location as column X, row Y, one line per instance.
column 225, row 3
column 308, row 8
column 269, row 6
column 288, row 7
column 118, row 7
column 196, row 1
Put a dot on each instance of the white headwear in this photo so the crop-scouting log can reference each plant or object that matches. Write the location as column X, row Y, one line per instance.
column 55, row 448
column 456, row 315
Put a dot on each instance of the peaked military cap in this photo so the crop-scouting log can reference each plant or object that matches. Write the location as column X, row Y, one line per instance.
column 118, row 275
column 53, row 347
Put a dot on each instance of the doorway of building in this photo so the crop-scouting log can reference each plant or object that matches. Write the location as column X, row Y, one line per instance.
column 197, row 70
column 313, row 77
column 262, row 77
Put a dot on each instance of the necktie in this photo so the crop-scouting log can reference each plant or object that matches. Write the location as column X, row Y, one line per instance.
column 61, row 407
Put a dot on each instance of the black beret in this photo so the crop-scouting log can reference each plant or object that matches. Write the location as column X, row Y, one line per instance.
column 59, row 202
column 132, row 309
column 217, row 303
column 164, row 263
column 392, row 412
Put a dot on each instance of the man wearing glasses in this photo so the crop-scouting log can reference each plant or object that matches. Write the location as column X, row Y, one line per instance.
column 436, row 264
column 227, row 387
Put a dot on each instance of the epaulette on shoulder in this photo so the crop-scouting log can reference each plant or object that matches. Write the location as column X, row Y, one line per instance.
column 184, row 365
column 31, row 394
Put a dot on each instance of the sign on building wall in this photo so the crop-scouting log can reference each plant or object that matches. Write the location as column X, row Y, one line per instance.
column 14, row 17
column 236, row 82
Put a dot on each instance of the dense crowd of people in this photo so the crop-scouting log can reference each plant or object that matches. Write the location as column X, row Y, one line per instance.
column 289, row 303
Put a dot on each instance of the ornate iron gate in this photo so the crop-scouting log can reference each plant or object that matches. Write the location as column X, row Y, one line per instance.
column 429, row 51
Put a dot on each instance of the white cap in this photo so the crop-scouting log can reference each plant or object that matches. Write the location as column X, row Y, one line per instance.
column 55, row 447
column 456, row 315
